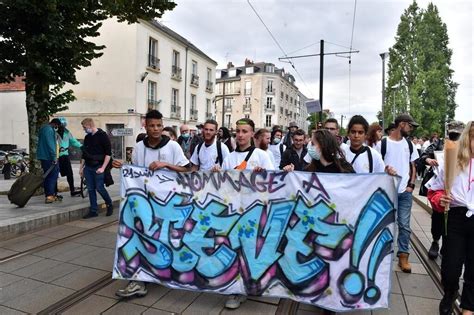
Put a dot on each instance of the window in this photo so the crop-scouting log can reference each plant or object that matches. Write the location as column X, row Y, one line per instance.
column 268, row 120
column 269, row 68
column 232, row 73
column 286, row 97
column 269, row 102
column 227, row 120
column 194, row 67
column 230, row 87
column 270, row 86
column 153, row 61
column 209, row 75
column 247, row 101
column 248, row 87
column 151, row 91
column 291, row 100
column 281, row 94
column 247, row 115
column 208, row 108
column 193, row 102
column 174, row 100
column 228, row 101
column 249, row 70
column 281, row 110
column 175, row 59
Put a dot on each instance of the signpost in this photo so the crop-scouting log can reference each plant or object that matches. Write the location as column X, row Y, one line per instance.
column 122, row 132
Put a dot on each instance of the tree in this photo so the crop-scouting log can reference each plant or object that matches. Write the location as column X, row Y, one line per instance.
column 420, row 79
column 313, row 119
column 48, row 41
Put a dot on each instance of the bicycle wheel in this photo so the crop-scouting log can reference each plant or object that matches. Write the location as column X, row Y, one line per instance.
column 84, row 192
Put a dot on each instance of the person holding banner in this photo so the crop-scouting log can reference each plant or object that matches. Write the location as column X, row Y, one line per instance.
column 245, row 157
column 458, row 242
column 155, row 152
column 262, row 141
column 210, row 152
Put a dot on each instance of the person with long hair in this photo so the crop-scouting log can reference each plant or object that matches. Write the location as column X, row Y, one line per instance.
column 374, row 135
column 224, row 136
column 326, row 155
column 458, row 243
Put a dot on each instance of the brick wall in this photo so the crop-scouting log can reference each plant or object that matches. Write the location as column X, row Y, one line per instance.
column 17, row 85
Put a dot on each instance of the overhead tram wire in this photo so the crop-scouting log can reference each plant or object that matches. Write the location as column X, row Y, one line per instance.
column 281, row 48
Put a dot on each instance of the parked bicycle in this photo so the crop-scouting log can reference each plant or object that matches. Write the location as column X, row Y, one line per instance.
column 13, row 163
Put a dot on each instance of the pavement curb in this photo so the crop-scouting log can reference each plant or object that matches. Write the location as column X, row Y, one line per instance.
column 34, row 222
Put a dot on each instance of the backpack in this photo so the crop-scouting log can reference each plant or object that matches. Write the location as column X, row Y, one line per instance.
column 219, row 158
column 383, row 150
column 369, row 156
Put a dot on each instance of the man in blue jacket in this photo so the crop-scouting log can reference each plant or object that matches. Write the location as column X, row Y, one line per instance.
column 47, row 154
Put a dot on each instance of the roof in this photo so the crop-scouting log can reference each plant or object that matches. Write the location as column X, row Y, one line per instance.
column 180, row 39
column 259, row 68
column 17, row 85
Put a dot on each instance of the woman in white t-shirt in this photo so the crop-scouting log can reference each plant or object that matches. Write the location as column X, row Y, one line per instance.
column 458, row 244
column 245, row 157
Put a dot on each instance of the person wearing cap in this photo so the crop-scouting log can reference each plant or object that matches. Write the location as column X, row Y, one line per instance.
column 390, row 128
column 398, row 153
column 66, row 139
column 47, row 154
column 288, row 140
column 454, row 130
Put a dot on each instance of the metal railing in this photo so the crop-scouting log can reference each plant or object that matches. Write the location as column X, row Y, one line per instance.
column 248, row 91
column 175, row 111
column 153, row 104
column 153, row 62
column 176, row 72
column 247, row 108
column 209, row 86
column 270, row 108
column 194, row 79
column 270, row 91
column 228, row 108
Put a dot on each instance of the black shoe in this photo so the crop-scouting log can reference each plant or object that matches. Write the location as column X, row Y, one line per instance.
column 90, row 215
column 446, row 304
column 75, row 194
column 433, row 252
column 110, row 210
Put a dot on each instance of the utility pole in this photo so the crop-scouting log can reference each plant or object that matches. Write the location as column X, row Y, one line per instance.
column 383, row 56
column 342, row 120
column 223, row 102
column 321, row 69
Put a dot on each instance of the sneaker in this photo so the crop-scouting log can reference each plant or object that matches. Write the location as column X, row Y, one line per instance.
column 90, row 215
column 75, row 193
column 58, row 198
column 234, row 301
column 50, row 199
column 433, row 252
column 110, row 210
column 134, row 288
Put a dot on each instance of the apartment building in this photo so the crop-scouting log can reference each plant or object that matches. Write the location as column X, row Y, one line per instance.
column 259, row 91
column 144, row 66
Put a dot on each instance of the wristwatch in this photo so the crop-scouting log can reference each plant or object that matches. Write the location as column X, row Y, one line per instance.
column 411, row 185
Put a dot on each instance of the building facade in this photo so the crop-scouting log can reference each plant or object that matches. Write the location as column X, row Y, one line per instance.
column 144, row 66
column 259, row 91
column 13, row 120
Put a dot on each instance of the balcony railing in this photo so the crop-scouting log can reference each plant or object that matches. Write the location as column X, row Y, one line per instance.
column 247, row 108
column 270, row 91
column 248, row 91
column 176, row 73
column 194, row 114
column 153, row 104
column 175, row 111
column 209, row 86
column 194, row 80
column 228, row 108
column 153, row 62
column 270, row 108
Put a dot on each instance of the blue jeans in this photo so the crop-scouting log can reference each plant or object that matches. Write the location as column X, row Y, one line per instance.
column 95, row 182
column 405, row 200
column 51, row 180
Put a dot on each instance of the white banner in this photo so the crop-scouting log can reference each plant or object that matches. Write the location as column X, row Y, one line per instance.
column 322, row 239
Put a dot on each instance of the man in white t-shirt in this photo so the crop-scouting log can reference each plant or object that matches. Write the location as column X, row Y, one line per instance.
column 156, row 152
column 210, row 152
column 363, row 158
column 399, row 153
column 262, row 141
column 276, row 146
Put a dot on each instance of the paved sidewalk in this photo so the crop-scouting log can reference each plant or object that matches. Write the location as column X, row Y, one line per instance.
column 37, row 215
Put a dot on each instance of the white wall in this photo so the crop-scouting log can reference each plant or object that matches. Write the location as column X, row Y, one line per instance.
column 13, row 119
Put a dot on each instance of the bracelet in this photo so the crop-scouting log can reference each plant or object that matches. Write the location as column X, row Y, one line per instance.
column 411, row 185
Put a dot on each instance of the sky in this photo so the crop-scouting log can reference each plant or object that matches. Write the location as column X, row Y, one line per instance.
column 229, row 30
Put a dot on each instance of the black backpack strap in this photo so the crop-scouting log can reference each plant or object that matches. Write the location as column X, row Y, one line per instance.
column 219, row 158
column 371, row 161
column 410, row 146
column 383, row 149
column 249, row 154
column 281, row 150
column 199, row 149
column 357, row 155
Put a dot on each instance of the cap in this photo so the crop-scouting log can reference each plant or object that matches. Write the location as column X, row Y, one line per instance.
column 389, row 127
column 63, row 121
column 406, row 118
column 293, row 124
column 455, row 126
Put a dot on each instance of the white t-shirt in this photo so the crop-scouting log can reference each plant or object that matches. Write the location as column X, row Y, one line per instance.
column 398, row 157
column 275, row 150
column 361, row 164
column 170, row 153
column 272, row 160
column 258, row 158
column 208, row 155
column 462, row 188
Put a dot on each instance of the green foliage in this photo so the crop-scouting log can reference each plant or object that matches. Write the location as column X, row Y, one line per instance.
column 47, row 41
column 419, row 75
column 313, row 119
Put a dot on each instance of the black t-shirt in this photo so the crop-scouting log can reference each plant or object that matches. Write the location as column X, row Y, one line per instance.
column 96, row 147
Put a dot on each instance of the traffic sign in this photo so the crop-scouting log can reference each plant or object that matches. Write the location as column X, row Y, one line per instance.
column 121, row 132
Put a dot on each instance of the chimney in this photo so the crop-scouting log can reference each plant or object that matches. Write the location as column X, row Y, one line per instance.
column 248, row 62
column 230, row 65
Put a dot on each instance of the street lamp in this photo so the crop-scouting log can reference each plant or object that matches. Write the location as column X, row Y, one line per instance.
column 383, row 56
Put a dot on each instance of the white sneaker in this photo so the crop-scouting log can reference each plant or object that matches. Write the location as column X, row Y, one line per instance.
column 134, row 288
column 234, row 301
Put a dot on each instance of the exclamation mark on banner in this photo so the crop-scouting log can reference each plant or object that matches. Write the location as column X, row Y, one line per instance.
column 377, row 213
column 382, row 247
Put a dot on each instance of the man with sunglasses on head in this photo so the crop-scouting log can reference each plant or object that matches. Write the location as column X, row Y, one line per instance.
column 399, row 153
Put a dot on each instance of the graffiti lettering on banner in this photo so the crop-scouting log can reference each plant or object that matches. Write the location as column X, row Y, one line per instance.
column 322, row 239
